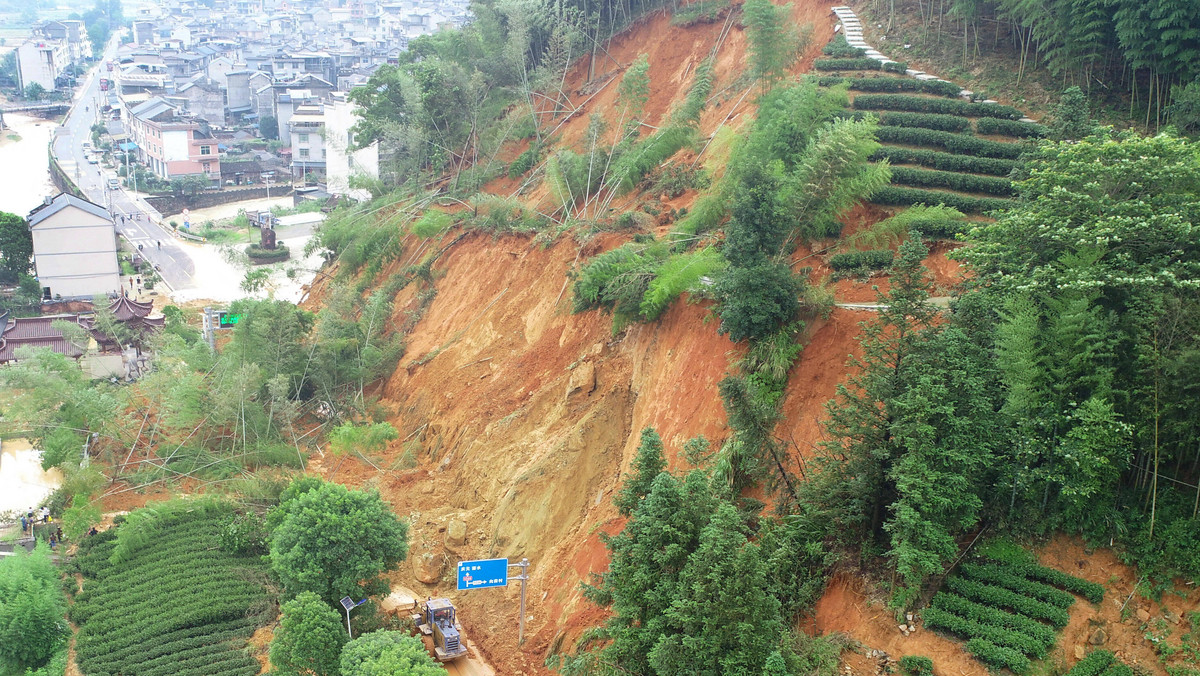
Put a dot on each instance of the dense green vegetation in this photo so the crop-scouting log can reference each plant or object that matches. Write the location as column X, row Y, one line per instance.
column 33, row 630
column 1140, row 56
column 162, row 596
column 334, row 542
column 688, row 566
column 1048, row 397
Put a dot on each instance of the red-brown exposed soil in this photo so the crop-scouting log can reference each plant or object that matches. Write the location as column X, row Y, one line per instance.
column 849, row 607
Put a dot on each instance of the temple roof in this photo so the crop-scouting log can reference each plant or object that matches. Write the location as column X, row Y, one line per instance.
column 125, row 309
column 21, row 332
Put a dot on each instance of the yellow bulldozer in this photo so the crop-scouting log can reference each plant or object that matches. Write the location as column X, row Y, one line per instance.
column 436, row 618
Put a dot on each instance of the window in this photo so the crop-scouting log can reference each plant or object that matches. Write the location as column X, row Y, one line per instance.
column 304, row 138
column 304, row 153
column 205, row 150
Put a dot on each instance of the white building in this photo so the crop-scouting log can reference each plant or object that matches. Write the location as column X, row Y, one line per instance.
column 41, row 60
column 340, row 162
column 74, row 248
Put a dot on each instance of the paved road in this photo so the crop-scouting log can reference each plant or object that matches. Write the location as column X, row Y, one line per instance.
column 138, row 227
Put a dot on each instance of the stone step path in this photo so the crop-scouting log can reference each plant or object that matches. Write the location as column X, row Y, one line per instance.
column 854, row 37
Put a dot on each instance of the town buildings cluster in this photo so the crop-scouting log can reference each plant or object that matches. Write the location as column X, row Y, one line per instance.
column 198, row 78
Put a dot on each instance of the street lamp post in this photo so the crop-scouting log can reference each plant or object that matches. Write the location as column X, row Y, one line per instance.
column 349, row 605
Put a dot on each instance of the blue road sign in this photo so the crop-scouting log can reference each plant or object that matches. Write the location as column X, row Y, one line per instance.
column 482, row 574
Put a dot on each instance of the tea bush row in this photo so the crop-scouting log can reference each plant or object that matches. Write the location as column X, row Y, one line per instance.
column 1093, row 665
column 874, row 259
column 945, row 161
column 992, row 125
column 890, row 85
column 1006, row 598
column 931, row 178
column 1091, row 591
column 921, row 104
column 998, row 656
column 925, row 121
column 916, row 665
column 859, row 63
column 961, row 144
column 898, row 196
column 993, row 616
column 936, row 618
column 839, row 48
column 1007, row 576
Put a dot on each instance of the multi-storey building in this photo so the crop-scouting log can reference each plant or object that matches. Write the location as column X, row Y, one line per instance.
column 169, row 144
column 42, row 61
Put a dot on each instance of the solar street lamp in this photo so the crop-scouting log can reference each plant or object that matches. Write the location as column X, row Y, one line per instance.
column 349, row 605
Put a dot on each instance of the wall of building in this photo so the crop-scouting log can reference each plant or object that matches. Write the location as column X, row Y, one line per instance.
column 75, row 254
column 340, row 164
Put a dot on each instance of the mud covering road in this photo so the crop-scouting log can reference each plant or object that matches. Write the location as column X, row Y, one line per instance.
column 402, row 600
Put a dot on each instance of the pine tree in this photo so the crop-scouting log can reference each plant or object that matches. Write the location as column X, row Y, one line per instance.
column 723, row 620
column 647, row 465
column 647, row 558
column 863, row 450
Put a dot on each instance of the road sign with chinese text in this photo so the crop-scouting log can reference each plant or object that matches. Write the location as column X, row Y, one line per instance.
column 482, row 574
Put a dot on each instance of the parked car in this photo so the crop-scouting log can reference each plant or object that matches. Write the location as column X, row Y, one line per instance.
column 93, row 159
column 114, row 183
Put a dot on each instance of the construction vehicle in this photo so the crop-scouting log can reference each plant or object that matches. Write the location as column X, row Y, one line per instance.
column 436, row 618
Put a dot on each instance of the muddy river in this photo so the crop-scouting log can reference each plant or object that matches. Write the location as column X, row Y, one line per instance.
column 24, row 164
column 23, row 484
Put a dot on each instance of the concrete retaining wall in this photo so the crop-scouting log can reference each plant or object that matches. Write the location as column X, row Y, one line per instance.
column 170, row 204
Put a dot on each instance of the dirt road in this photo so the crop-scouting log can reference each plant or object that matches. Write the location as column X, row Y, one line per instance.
column 401, row 600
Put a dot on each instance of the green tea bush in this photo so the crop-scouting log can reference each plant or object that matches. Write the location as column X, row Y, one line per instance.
column 916, row 665
column 1094, row 664
column 984, row 614
column 897, row 196
column 936, row 618
column 961, row 144
column 895, row 67
column 998, row 656
column 893, row 85
column 1012, row 578
column 920, row 104
column 875, row 259
column 863, row 63
column 935, row 222
column 930, row 178
column 1091, row 591
column 945, row 161
column 175, row 602
column 1006, row 598
column 925, row 121
column 992, row 125
column 839, row 48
